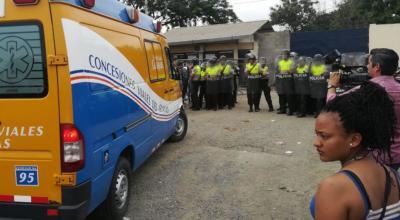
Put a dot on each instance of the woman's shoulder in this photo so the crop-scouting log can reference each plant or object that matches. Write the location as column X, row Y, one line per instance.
column 336, row 185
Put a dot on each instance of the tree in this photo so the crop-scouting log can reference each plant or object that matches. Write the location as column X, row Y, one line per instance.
column 358, row 14
column 296, row 15
column 184, row 13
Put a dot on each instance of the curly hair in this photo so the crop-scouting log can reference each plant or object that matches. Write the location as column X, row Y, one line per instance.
column 369, row 111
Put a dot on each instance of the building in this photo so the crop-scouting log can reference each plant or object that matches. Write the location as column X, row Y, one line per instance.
column 384, row 35
column 232, row 40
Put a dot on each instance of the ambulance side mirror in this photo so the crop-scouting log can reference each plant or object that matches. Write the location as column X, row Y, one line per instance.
column 175, row 75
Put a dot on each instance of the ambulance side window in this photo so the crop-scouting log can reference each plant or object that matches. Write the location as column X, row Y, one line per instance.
column 23, row 72
column 155, row 60
column 171, row 69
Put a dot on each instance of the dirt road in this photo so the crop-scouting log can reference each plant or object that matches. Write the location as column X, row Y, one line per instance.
column 232, row 165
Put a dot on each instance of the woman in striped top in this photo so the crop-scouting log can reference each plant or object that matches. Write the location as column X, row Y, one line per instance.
column 348, row 129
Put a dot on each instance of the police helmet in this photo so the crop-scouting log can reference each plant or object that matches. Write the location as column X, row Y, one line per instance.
column 195, row 61
column 251, row 56
column 179, row 62
column 222, row 58
column 286, row 52
column 318, row 57
column 263, row 60
column 213, row 59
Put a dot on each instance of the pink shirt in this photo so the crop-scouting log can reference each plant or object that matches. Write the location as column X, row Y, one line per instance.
column 392, row 87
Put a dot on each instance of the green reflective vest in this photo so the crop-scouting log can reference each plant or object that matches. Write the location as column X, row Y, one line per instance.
column 302, row 70
column 197, row 70
column 318, row 70
column 253, row 69
column 226, row 70
column 213, row 71
column 202, row 75
column 285, row 65
column 264, row 71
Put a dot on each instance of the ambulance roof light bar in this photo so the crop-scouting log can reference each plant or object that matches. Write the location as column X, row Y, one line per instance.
column 158, row 27
column 133, row 14
column 88, row 3
column 26, row 2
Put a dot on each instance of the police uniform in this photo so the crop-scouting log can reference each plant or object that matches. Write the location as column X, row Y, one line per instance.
column 318, row 85
column 226, row 85
column 212, row 86
column 235, row 84
column 302, row 88
column 253, row 85
column 202, row 85
column 285, row 85
column 264, row 84
column 195, row 86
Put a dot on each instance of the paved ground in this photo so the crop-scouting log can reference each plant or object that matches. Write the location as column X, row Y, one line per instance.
column 232, row 165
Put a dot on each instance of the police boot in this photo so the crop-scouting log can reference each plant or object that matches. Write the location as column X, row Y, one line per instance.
column 281, row 111
column 251, row 109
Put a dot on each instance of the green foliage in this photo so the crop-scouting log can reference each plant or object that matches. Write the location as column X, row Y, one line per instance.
column 295, row 15
column 184, row 13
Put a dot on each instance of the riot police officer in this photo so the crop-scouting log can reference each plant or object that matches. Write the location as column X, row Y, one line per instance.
column 264, row 83
column 226, row 84
column 202, row 84
column 212, row 78
column 318, row 83
column 195, row 84
column 236, row 71
column 285, row 84
column 301, row 86
column 252, row 72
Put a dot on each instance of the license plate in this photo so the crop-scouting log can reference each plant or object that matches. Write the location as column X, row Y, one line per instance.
column 2, row 8
column 26, row 175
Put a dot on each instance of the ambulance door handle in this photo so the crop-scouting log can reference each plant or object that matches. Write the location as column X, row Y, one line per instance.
column 168, row 90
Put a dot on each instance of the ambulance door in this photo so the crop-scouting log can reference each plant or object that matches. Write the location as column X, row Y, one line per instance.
column 157, row 82
column 29, row 112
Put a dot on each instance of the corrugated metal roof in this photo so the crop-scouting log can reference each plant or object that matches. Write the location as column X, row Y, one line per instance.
column 212, row 33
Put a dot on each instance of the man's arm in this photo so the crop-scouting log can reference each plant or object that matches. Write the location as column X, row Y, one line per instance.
column 334, row 81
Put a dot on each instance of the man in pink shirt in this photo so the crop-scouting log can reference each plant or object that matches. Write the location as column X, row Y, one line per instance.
column 382, row 64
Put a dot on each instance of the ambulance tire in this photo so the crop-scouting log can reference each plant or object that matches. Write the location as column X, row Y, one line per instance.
column 113, row 207
column 180, row 128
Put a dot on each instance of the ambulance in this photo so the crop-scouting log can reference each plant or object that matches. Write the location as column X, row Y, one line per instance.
column 87, row 93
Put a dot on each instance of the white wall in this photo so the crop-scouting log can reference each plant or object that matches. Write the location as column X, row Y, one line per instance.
column 385, row 35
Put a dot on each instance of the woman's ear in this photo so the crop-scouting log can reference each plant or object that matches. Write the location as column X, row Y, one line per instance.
column 355, row 140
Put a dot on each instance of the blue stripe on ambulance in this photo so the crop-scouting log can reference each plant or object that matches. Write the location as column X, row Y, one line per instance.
column 96, row 121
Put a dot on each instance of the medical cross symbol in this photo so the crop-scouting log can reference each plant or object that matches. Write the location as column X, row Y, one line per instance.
column 16, row 60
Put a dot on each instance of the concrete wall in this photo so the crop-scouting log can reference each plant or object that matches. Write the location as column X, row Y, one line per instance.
column 385, row 35
column 271, row 44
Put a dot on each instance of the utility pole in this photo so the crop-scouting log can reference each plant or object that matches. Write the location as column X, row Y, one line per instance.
column 146, row 7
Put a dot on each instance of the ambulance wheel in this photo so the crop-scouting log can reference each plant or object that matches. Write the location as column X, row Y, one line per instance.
column 180, row 127
column 116, row 204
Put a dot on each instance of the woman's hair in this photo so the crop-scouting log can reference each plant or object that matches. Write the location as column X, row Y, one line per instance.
column 368, row 111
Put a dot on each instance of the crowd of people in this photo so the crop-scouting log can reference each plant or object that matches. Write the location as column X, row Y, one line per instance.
column 211, row 84
column 301, row 85
column 361, row 129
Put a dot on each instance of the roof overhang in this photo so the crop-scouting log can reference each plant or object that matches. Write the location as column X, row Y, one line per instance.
column 212, row 40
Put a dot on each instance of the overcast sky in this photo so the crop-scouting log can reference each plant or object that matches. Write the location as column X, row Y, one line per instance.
column 253, row 10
